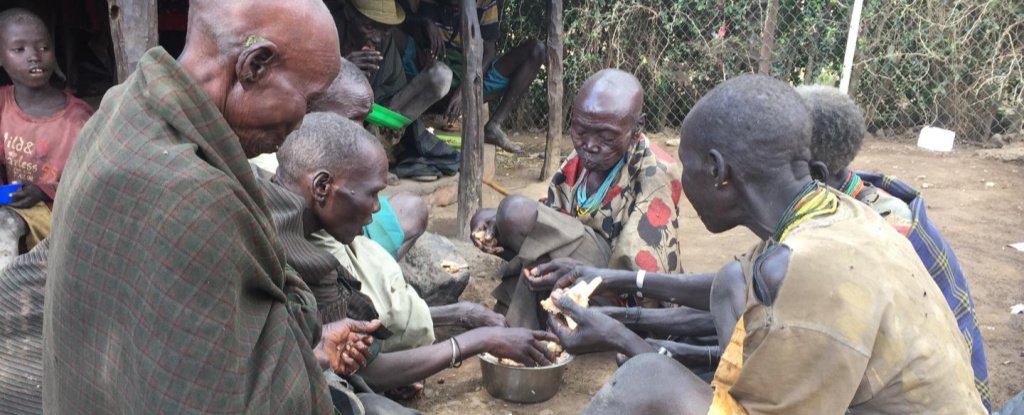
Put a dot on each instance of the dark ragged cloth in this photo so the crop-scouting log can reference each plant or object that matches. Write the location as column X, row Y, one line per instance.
column 944, row 267
column 167, row 289
column 22, row 284
column 21, row 302
column 336, row 291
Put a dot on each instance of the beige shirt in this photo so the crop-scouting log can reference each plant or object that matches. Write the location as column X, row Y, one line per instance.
column 857, row 327
column 401, row 309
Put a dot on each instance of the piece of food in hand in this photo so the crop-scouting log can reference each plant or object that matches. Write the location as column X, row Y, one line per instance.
column 482, row 236
column 554, row 348
column 579, row 294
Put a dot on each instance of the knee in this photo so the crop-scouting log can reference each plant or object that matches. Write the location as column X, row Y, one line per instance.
column 413, row 213
column 11, row 223
column 647, row 383
column 439, row 78
column 516, row 215
column 538, row 50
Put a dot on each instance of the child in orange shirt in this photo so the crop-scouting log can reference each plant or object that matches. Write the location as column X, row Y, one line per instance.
column 38, row 124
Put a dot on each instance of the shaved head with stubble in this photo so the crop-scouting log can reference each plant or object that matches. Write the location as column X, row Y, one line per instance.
column 606, row 117
column 261, row 62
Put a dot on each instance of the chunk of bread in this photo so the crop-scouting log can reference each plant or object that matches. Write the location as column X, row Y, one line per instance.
column 579, row 293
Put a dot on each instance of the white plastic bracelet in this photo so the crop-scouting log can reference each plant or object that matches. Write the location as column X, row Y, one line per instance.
column 640, row 283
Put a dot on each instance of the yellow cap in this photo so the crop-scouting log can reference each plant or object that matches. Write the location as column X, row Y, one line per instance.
column 381, row 11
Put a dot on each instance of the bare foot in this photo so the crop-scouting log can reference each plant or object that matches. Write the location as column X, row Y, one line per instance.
column 494, row 135
column 406, row 393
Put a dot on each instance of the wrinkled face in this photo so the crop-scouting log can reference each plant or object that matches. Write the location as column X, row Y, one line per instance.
column 27, row 54
column 601, row 138
column 365, row 29
column 352, row 199
column 265, row 112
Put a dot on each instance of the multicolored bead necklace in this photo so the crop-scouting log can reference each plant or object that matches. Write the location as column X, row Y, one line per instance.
column 852, row 185
column 586, row 205
column 814, row 200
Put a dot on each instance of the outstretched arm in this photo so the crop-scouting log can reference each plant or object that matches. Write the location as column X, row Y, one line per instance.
column 678, row 321
column 391, row 370
column 466, row 315
column 691, row 290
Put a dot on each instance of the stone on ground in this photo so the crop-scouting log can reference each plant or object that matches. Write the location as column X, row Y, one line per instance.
column 436, row 269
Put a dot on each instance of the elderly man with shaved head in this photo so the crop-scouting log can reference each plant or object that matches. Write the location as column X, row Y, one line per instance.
column 836, row 312
column 167, row 287
column 613, row 203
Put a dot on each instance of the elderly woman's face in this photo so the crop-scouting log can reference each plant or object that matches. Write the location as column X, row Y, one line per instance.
column 601, row 138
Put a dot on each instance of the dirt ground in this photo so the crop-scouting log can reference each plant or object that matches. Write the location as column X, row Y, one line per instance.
column 976, row 202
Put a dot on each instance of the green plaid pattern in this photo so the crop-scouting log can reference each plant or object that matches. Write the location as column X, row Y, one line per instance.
column 167, row 289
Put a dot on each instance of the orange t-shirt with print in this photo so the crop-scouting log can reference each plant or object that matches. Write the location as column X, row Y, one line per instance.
column 35, row 149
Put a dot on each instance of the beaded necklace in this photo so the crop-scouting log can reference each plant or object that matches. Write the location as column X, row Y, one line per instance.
column 852, row 185
column 586, row 205
column 813, row 201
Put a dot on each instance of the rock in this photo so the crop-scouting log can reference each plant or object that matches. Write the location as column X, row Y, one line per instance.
column 423, row 269
column 1013, row 153
column 989, row 185
column 672, row 142
column 444, row 196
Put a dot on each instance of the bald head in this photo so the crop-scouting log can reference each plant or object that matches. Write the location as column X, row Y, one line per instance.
column 757, row 123
column 350, row 95
column 606, row 119
column 611, row 91
column 327, row 141
column 261, row 62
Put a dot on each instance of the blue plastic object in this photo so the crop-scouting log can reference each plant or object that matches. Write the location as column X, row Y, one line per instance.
column 6, row 190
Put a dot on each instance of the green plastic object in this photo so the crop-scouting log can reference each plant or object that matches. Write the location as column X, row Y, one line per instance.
column 454, row 141
column 384, row 117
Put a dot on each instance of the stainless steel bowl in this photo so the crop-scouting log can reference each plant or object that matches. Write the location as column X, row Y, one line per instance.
column 521, row 384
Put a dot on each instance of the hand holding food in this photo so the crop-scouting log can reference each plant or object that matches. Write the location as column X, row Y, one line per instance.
column 579, row 294
column 483, row 238
column 521, row 345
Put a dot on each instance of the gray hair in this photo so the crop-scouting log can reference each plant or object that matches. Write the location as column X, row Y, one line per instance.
column 838, row 126
column 325, row 141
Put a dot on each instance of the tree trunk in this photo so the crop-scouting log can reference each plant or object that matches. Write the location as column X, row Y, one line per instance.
column 764, row 65
column 133, row 31
column 555, row 44
column 471, row 169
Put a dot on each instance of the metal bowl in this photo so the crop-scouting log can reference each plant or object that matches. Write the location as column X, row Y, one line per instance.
column 522, row 384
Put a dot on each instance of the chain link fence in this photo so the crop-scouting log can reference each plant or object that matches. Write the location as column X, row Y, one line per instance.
column 946, row 63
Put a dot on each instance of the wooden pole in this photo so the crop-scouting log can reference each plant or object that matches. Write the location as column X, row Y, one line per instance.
column 555, row 46
column 764, row 64
column 851, row 46
column 472, row 167
column 133, row 31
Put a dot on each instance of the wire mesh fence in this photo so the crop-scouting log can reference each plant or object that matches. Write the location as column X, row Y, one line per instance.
column 955, row 64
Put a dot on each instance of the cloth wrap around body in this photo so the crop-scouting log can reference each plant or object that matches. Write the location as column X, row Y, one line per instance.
column 167, row 287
